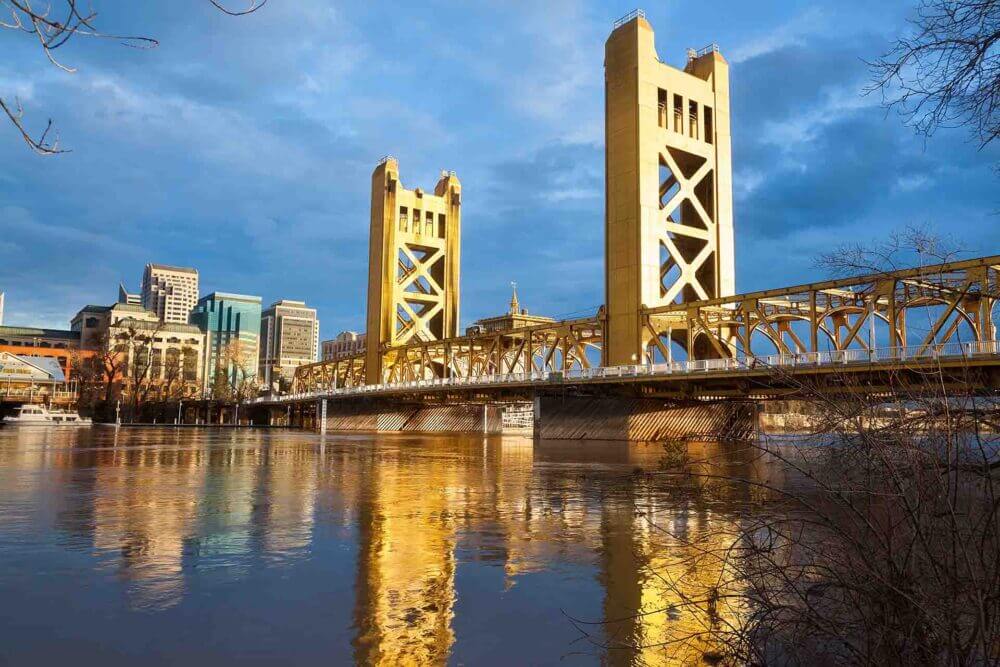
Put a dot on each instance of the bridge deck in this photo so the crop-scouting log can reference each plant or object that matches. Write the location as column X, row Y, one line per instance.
column 762, row 369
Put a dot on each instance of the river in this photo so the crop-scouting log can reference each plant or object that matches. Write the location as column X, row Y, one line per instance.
column 161, row 546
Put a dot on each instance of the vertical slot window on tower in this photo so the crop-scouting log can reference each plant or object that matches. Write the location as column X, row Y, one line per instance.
column 416, row 221
column 709, row 128
column 440, row 225
column 693, row 119
column 430, row 224
column 661, row 108
column 678, row 113
column 403, row 222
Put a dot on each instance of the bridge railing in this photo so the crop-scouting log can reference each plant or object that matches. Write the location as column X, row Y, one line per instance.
column 887, row 355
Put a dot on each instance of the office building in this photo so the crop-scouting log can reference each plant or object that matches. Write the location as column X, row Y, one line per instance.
column 346, row 344
column 1, row 307
column 231, row 324
column 170, row 291
column 168, row 354
column 289, row 337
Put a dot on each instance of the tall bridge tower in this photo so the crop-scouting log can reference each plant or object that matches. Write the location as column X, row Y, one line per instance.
column 413, row 264
column 669, row 210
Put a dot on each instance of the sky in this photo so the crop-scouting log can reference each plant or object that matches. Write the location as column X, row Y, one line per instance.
column 244, row 147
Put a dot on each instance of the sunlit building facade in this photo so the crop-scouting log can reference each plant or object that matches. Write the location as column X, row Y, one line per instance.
column 231, row 324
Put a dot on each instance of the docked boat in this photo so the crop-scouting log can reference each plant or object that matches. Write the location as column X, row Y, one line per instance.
column 39, row 415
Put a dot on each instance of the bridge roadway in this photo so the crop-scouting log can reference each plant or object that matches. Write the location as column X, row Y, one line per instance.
column 974, row 364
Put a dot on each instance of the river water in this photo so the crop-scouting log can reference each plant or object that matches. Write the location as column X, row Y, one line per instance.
column 210, row 546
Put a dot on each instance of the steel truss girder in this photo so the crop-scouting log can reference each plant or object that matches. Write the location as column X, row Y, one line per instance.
column 839, row 315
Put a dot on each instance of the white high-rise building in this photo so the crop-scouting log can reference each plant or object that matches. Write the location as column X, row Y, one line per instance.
column 170, row 291
column 1, row 308
column 289, row 338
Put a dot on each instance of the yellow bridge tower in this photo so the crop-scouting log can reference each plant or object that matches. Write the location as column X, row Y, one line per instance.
column 413, row 264
column 669, row 210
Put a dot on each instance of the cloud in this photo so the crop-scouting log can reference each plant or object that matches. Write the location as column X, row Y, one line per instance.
column 245, row 147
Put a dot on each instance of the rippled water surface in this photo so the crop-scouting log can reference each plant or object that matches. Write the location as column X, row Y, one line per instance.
column 188, row 546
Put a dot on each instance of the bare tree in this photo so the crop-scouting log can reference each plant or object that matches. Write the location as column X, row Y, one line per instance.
column 947, row 71
column 53, row 24
column 912, row 246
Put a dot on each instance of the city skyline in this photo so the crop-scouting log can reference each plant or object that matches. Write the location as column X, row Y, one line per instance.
column 301, row 231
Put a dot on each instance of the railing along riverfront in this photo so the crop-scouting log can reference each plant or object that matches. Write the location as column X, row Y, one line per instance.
column 887, row 355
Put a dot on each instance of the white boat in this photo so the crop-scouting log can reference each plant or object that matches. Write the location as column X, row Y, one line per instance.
column 39, row 415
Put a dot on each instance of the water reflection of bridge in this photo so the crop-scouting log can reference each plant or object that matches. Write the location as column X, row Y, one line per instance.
column 163, row 509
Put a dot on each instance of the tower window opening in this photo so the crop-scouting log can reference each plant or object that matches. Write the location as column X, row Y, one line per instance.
column 403, row 222
column 429, row 224
column 416, row 221
column 441, row 225
column 693, row 119
column 709, row 128
column 661, row 108
column 678, row 113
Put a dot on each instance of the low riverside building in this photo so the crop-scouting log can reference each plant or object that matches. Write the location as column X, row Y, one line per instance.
column 32, row 379
column 516, row 317
column 57, row 344
column 289, row 338
column 231, row 324
column 167, row 355
column 346, row 344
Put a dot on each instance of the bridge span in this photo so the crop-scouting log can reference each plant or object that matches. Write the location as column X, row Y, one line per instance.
column 673, row 350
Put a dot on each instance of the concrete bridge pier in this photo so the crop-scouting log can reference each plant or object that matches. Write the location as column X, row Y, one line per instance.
column 556, row 417
column 641, row 419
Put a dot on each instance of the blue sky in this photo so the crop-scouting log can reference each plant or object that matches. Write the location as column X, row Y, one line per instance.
column 244, row 147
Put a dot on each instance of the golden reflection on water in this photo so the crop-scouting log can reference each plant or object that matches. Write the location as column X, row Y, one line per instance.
column 150, row 502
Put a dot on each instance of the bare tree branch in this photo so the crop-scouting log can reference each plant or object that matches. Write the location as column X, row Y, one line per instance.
column 36, row 20
column 945, row 73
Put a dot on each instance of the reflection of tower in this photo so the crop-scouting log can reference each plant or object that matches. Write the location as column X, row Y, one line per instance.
column 669, row 219
column 666, row 583
column 405, row 591
column 413, row 263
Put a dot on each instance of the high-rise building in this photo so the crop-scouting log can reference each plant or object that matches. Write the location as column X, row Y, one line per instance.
column 289, row 338
column 170, row 291
column 346, row 344
column 231, row 323
column 1, row 308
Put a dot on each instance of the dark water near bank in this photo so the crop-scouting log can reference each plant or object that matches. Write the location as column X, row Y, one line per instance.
column 165, row 547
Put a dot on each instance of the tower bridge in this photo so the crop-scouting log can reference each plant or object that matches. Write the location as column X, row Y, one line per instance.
column 674, row 345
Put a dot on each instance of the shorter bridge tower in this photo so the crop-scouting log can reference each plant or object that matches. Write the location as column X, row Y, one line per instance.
column 413, row 264
column 669, row 210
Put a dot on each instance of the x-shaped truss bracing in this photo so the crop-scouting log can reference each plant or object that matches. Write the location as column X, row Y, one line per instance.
column 921, row 308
